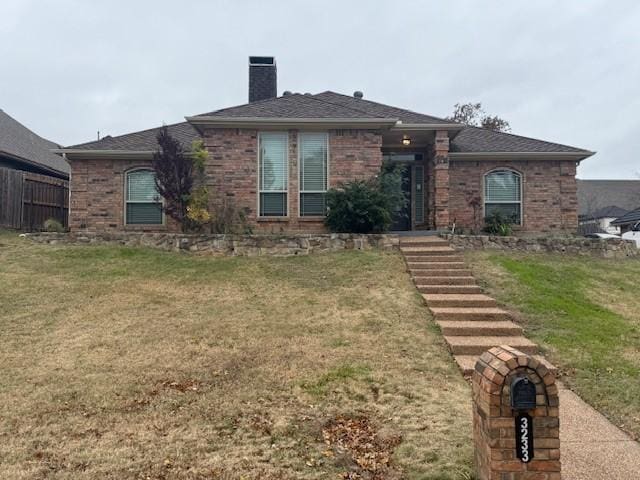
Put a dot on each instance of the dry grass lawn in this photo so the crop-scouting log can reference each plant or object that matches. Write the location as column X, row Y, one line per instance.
column 124, row 363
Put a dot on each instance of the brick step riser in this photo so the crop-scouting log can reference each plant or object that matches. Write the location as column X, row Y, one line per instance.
column 449, row 289
column 481, row 331
column 467, row 365
column 428, row 253
column 424, row 244
column 441, row 273
column 436, row 266
column 419, row 281
column 462, row 303
column 480, row 349
column 486, row 317
column 431, row 259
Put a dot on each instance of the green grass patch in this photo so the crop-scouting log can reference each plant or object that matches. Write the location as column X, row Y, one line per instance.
column 342, row 373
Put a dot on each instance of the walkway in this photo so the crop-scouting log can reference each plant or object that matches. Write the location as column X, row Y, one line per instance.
column 471, row 322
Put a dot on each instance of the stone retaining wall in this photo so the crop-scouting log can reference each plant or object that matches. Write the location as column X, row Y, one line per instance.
column 606, row 248
column 245, row 245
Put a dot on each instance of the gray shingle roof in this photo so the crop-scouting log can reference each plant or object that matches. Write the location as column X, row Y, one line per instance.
column 144, row 140
column 607, row 212
column 475, row 139
column 630, row 218
column 596, row 194
column 334, row 105
column 19, row 142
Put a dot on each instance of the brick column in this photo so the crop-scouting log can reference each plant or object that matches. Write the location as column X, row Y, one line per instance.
column 568, row 197
column 494, row 421
column 441, row 180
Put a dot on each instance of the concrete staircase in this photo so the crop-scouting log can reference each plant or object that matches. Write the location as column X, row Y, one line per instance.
column 471, row 322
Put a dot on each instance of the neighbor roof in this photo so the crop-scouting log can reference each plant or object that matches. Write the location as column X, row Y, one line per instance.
column 596, row 194
column 606, row 212
column 21, row 144
column 631, row 217
column 331, row 105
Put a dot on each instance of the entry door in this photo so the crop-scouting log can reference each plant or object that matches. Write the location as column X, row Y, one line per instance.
column 402, row 218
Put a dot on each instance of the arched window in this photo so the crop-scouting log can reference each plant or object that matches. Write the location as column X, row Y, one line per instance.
column 503, row 194
column 143, row 203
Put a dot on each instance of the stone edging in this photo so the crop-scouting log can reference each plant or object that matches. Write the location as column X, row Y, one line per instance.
column 606, row 248
column 231, row 245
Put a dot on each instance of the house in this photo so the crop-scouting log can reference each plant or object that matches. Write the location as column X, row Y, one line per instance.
column 628, row 222
column 600, row 220
column 594, row 195
column 33, row 179
column 276, row 156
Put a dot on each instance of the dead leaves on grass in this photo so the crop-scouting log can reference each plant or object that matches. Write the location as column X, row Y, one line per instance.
column 369, row 450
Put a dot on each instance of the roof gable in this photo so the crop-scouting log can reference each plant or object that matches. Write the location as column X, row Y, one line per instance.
column 19, row 142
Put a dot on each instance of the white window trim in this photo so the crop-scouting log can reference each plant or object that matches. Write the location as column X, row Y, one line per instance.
column 300, row 191
column 259, row 178
column 484, row 195
column 127, row 202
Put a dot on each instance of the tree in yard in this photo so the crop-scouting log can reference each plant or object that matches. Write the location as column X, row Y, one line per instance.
column 174, row 176
column 473, row 115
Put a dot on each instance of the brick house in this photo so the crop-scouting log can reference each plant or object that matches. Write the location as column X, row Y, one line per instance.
column 275, row 157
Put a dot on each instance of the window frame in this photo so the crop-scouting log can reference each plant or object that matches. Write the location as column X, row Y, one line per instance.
column 521, row 186
column 259, row 177
column 127, row 202
column 300, row 191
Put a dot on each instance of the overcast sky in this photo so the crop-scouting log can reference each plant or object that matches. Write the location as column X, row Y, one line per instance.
column 565, row 71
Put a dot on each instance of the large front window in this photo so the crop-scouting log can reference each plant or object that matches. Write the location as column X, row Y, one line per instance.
column 273, row 173
column 314, row 163
column 143, row 203
column 503, row 195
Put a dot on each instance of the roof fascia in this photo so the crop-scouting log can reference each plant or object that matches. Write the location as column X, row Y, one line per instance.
column 577, row 156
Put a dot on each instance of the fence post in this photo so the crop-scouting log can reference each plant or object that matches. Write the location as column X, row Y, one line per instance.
column 515, row 417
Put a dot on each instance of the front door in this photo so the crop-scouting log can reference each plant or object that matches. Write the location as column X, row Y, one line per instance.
column 402, row 218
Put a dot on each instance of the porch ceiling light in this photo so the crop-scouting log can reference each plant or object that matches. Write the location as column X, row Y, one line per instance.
column 406, row 141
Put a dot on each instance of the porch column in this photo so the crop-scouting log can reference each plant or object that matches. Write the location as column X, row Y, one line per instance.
column 441, row 179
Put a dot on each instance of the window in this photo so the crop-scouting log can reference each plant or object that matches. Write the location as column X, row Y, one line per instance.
column 503, row 194
column 313, row 152
column 273, row 174
column 143, row 203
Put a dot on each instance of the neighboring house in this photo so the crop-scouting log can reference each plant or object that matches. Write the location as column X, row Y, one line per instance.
column 628, row 222
column 275, row 158
column 33, row 179
column 600, row 221
column 594, row 195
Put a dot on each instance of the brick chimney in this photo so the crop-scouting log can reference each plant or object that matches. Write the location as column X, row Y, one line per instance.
column 263, row 78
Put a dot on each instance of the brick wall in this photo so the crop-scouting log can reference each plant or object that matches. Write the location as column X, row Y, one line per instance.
column 549, row 193
column 232, row 171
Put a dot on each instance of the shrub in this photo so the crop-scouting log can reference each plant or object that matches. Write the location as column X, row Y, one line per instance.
column 366, row 206
column 497, row 224
column 52, row 225
column 228, row 218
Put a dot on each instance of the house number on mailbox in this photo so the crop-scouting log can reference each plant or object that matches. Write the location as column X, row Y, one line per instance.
column 524, row 438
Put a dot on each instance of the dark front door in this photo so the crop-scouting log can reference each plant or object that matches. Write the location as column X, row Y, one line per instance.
column 402, row 218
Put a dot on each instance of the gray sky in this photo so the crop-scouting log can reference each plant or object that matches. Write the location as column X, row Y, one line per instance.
column 565, row 71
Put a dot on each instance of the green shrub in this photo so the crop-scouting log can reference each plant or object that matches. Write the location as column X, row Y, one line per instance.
column 52, row 225
column 497, row 224
column 366, row 206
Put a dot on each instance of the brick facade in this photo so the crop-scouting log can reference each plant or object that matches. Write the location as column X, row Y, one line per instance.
column 549, row 193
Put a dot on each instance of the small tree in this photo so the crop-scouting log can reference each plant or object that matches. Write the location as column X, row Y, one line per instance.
column 473, row 115
column 174, row 179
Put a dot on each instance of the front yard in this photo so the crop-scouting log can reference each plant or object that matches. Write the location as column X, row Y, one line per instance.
column 585, row 313
column 130, row 363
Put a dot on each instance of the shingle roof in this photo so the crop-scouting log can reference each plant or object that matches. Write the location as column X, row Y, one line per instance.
column 607, row 212
column 475, row 139
column 144, row 140
column 596, row 194
column 631, row 217
column 18, row 141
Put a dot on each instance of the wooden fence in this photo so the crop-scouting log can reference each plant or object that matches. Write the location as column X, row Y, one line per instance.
column 28, row 199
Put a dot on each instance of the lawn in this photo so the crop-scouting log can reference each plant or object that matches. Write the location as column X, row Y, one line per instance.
column 129, row 363
column 585, row 313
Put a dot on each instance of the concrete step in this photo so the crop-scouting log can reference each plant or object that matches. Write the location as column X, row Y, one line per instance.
column 423, row 241
column 424, row 259
column 477, row 345
column 459, row 300
column 467, row 363
column 427, row 251
column 436, row 265
column 457, row 328
column 471, row 314
column 432, row 280
column 455, row 272
column 449, row 289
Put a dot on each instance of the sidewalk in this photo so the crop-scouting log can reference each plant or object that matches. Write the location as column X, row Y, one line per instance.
column 592, row 447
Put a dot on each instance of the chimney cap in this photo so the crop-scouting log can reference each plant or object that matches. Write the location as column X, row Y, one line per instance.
column 262, row 61
column 358, row 94
column 286, row 93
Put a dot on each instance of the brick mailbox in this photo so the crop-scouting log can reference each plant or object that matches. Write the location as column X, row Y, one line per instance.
column 515, row 417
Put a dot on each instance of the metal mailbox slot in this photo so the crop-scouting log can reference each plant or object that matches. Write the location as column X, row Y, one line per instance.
column 523, row 394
